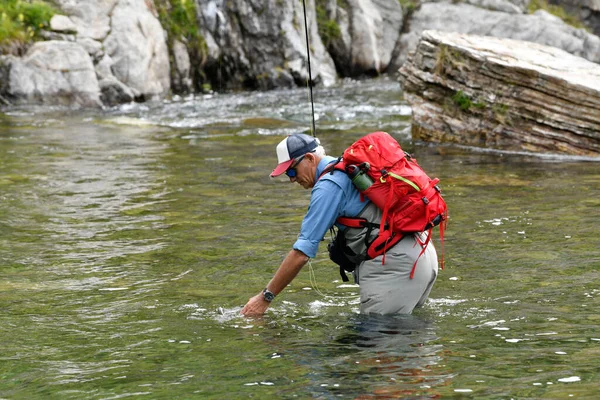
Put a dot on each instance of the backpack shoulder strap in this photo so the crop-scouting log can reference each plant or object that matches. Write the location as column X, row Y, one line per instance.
column 338, row 164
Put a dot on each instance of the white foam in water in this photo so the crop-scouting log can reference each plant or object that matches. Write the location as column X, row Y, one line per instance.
column 570, row 379
column 447, row 302
column 317, row 305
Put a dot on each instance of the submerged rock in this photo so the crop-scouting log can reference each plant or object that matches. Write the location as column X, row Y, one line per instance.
column 502, row 93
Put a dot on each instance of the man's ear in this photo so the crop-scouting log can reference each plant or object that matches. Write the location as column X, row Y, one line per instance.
column 311, row 156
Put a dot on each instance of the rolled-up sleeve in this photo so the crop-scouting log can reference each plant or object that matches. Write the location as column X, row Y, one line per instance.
column 325, row 206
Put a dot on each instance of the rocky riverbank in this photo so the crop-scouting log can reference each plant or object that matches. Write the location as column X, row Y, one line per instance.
column 502, row 93
column 106, row 52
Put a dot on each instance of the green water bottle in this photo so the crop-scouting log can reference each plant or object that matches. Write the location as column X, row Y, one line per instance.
column 359, row 176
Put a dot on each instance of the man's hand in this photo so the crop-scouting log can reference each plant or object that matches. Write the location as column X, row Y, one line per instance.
column 287, row 271
column 257, row 305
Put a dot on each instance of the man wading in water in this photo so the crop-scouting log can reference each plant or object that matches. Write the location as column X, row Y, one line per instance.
column 385, row 288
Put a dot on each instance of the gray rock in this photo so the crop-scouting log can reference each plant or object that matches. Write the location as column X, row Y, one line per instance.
column 128, row 31
column 53, row 73
column 62, row 23
column 587, row 11
column 502, row 93
column 91, row 17
column 114, row 92
column 137, row 46
column 369, row 31
column 261, row 44
column 93, row 47
column 463, row 18
column 181, row 81
column 511, row 7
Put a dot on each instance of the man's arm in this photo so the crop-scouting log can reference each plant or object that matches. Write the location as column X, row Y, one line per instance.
column 287, row 271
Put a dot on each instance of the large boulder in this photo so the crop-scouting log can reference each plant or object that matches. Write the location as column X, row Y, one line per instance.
column 539, row 27
column 126, row 43
column 137, row 46
column 260, row 44
column 52, row 72
column 368, row 33
column 502, row 93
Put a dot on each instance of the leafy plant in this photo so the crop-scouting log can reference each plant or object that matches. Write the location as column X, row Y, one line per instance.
column 329, row 29
column 22, row 21
column 178, row 17
column 464, row 102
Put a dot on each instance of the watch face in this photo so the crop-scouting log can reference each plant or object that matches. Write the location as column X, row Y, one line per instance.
column 268, row 295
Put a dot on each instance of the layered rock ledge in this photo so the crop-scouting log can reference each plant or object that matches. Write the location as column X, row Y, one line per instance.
column 502, row 93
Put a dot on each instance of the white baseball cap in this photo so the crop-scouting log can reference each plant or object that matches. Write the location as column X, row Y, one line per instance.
column 292, row 147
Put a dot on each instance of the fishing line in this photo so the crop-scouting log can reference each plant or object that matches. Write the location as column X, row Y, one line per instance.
column 312, row 103
column 313, row 283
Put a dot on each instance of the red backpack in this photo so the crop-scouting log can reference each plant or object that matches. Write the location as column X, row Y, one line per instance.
column 411, row 201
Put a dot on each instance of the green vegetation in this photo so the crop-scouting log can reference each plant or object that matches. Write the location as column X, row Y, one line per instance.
column 22, row 21
column 557, row 11
column 464, row 102
column 329, row 29
column 408, row 6
column 448, row 59
column 178, row 18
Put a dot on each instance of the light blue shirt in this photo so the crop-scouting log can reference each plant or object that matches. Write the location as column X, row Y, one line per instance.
column 333, row 196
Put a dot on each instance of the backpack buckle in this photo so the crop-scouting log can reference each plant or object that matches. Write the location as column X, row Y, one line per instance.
column 384, row 175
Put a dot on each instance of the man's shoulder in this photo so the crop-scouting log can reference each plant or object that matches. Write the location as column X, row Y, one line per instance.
column 333, row 178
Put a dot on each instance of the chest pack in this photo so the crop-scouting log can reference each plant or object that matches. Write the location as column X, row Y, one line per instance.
column 393, row 180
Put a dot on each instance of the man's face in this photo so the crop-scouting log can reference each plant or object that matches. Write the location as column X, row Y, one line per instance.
column 305, row 171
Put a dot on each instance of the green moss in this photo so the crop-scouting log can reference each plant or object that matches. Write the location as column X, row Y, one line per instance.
column 22, row 21
column 178, row 18
column 329, row 29
column 462, row 100
column 408, row 6
column 557, row 11
column 465, row 103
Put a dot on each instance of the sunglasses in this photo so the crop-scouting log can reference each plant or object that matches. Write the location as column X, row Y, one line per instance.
column 291, row 171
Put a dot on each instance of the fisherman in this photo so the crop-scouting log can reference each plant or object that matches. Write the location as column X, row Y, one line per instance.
column 385, row 287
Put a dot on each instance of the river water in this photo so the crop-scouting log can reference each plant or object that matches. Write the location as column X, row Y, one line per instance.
column 131, row 237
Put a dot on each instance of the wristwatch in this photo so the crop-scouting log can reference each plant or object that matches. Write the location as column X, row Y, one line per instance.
column 268, row 295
